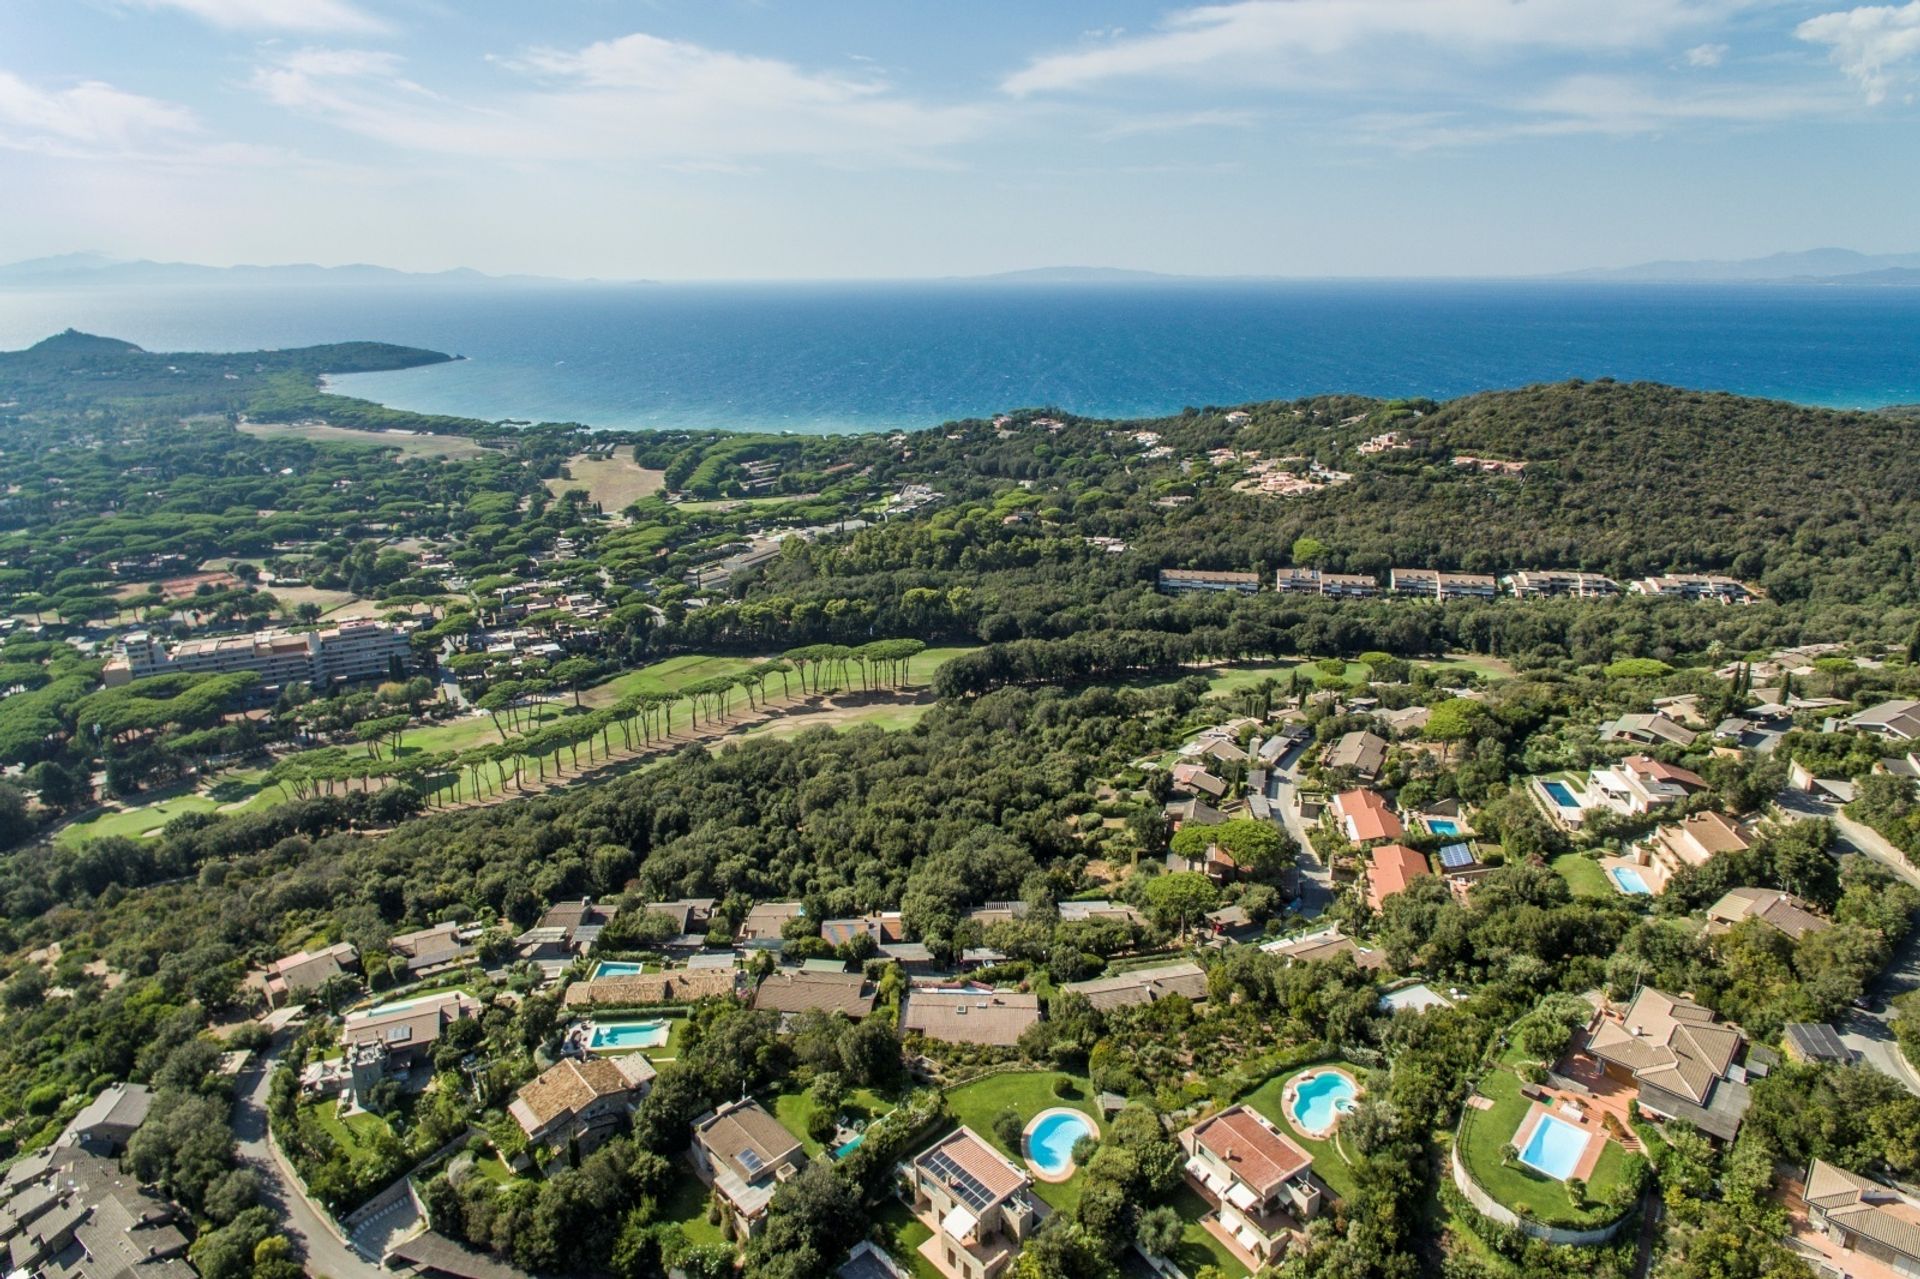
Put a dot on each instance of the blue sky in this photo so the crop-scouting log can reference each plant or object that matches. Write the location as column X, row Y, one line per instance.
column 849, row 138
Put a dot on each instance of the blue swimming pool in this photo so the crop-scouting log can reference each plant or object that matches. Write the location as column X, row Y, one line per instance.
column 1555, row 1147
column 1559, row 794
column 617, row 968
column 1319, row 1100
column 1443, row 826
column 1050, row 1142
column 628, row 1034
column 1629, row 881
column 846, row 1148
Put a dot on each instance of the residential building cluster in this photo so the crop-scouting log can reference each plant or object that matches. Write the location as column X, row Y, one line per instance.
column 348, row 653
column 1444, row 585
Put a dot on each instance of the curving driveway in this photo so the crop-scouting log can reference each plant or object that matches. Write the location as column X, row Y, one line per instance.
column 320, row 1245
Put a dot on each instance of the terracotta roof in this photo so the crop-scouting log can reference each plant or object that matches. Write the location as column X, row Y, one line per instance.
column 1366, row 816
column 790, row 991
column 1390, row 868
column 1253, row 1149
column 573, row 1085
column 1649, row 767
column 978, row 1160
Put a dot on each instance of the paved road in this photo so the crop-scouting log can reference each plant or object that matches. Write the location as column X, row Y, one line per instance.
column 324, row 1252
column 1316, row 879
column 1870, row 1034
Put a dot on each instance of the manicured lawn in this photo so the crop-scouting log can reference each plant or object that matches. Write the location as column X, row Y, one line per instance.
column 1485, row 1133
column 686, row 1204
column 493, row 1168
column 1486, row 667
column 922, row 666
column 1328, row 1163
column 674, row 674
column 795, row 1110
column 1026, row 1093
column 905, row 1233
column 1198, row 1247
column 240, row 787
column 1583, row 875
column 352, row 1132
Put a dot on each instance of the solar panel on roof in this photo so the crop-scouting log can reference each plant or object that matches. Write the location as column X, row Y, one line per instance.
column 1454, row 856
column 965, row 1186
column 750, row 1160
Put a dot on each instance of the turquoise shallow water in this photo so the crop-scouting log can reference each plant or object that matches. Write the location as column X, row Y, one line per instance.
column 1318, row 1101
column 825, row 357
column 1050, row 1144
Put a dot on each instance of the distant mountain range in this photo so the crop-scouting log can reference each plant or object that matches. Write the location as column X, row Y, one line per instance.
column 1811, row 266
column 69, row 269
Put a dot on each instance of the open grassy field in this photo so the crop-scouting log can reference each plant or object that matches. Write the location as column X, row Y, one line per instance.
column 615, row 482
column 236, row 791
column 1198, row 1247
column 445, row 447
column 747, row 503
column 670, row 676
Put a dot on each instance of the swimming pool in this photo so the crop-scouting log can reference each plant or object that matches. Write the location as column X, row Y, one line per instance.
column 848, row 1147
column 1555, row 1147
column 1629, row 881
column 1443, row 826
column 617, row 968
column 1559, row 794
column 1319, row 1100
column 628, row 1034
column 1050, row 1141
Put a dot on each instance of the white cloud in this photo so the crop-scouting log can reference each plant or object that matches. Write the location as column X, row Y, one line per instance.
column 1176, row 121
column 1269, row 40
column 313, row 16
column 88, row 116
column 1870, row 43
column 639, row 97
column 1706, row 55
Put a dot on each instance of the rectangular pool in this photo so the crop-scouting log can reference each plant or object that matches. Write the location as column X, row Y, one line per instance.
column 617, row 968
column 1443, row 826
column 609, row 1035
column 1629, row 881
column 1555, row 1147
column 1559, row 794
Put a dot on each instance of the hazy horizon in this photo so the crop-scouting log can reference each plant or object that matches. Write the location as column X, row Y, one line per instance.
column 740, row 140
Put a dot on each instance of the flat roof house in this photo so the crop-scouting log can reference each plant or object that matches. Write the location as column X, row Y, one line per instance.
column 1313, row 581
column 581, row 1101
column 1390, row 869
column 1365, row 817
column 996, row 1017
column 1143, row 986
column 1861, row 1216
column 1176, row 581
column 744, row 1153
column 1363, row 752
column 1639, row 783
column 1684, row 1062
column 980, row 1206
column 1695, row 586
column 1259, row 1182
column 1543, row 583
column 406, row 1031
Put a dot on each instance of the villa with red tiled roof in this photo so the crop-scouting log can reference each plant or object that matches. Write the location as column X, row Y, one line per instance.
column 1259, row 1183
column 1390, row 868
column 1365, row 817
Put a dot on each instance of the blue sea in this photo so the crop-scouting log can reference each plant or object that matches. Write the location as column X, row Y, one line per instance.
column 822, row 358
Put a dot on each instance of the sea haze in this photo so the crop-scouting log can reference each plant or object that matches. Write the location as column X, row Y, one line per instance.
column 850, row 357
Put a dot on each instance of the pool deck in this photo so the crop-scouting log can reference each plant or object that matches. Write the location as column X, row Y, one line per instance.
column 1537, row 1114
column 1026, row 1144
column 1654, row 876
column 1291, row 1093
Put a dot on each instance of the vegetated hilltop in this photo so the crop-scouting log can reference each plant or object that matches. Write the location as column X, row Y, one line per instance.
column 74, row 370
